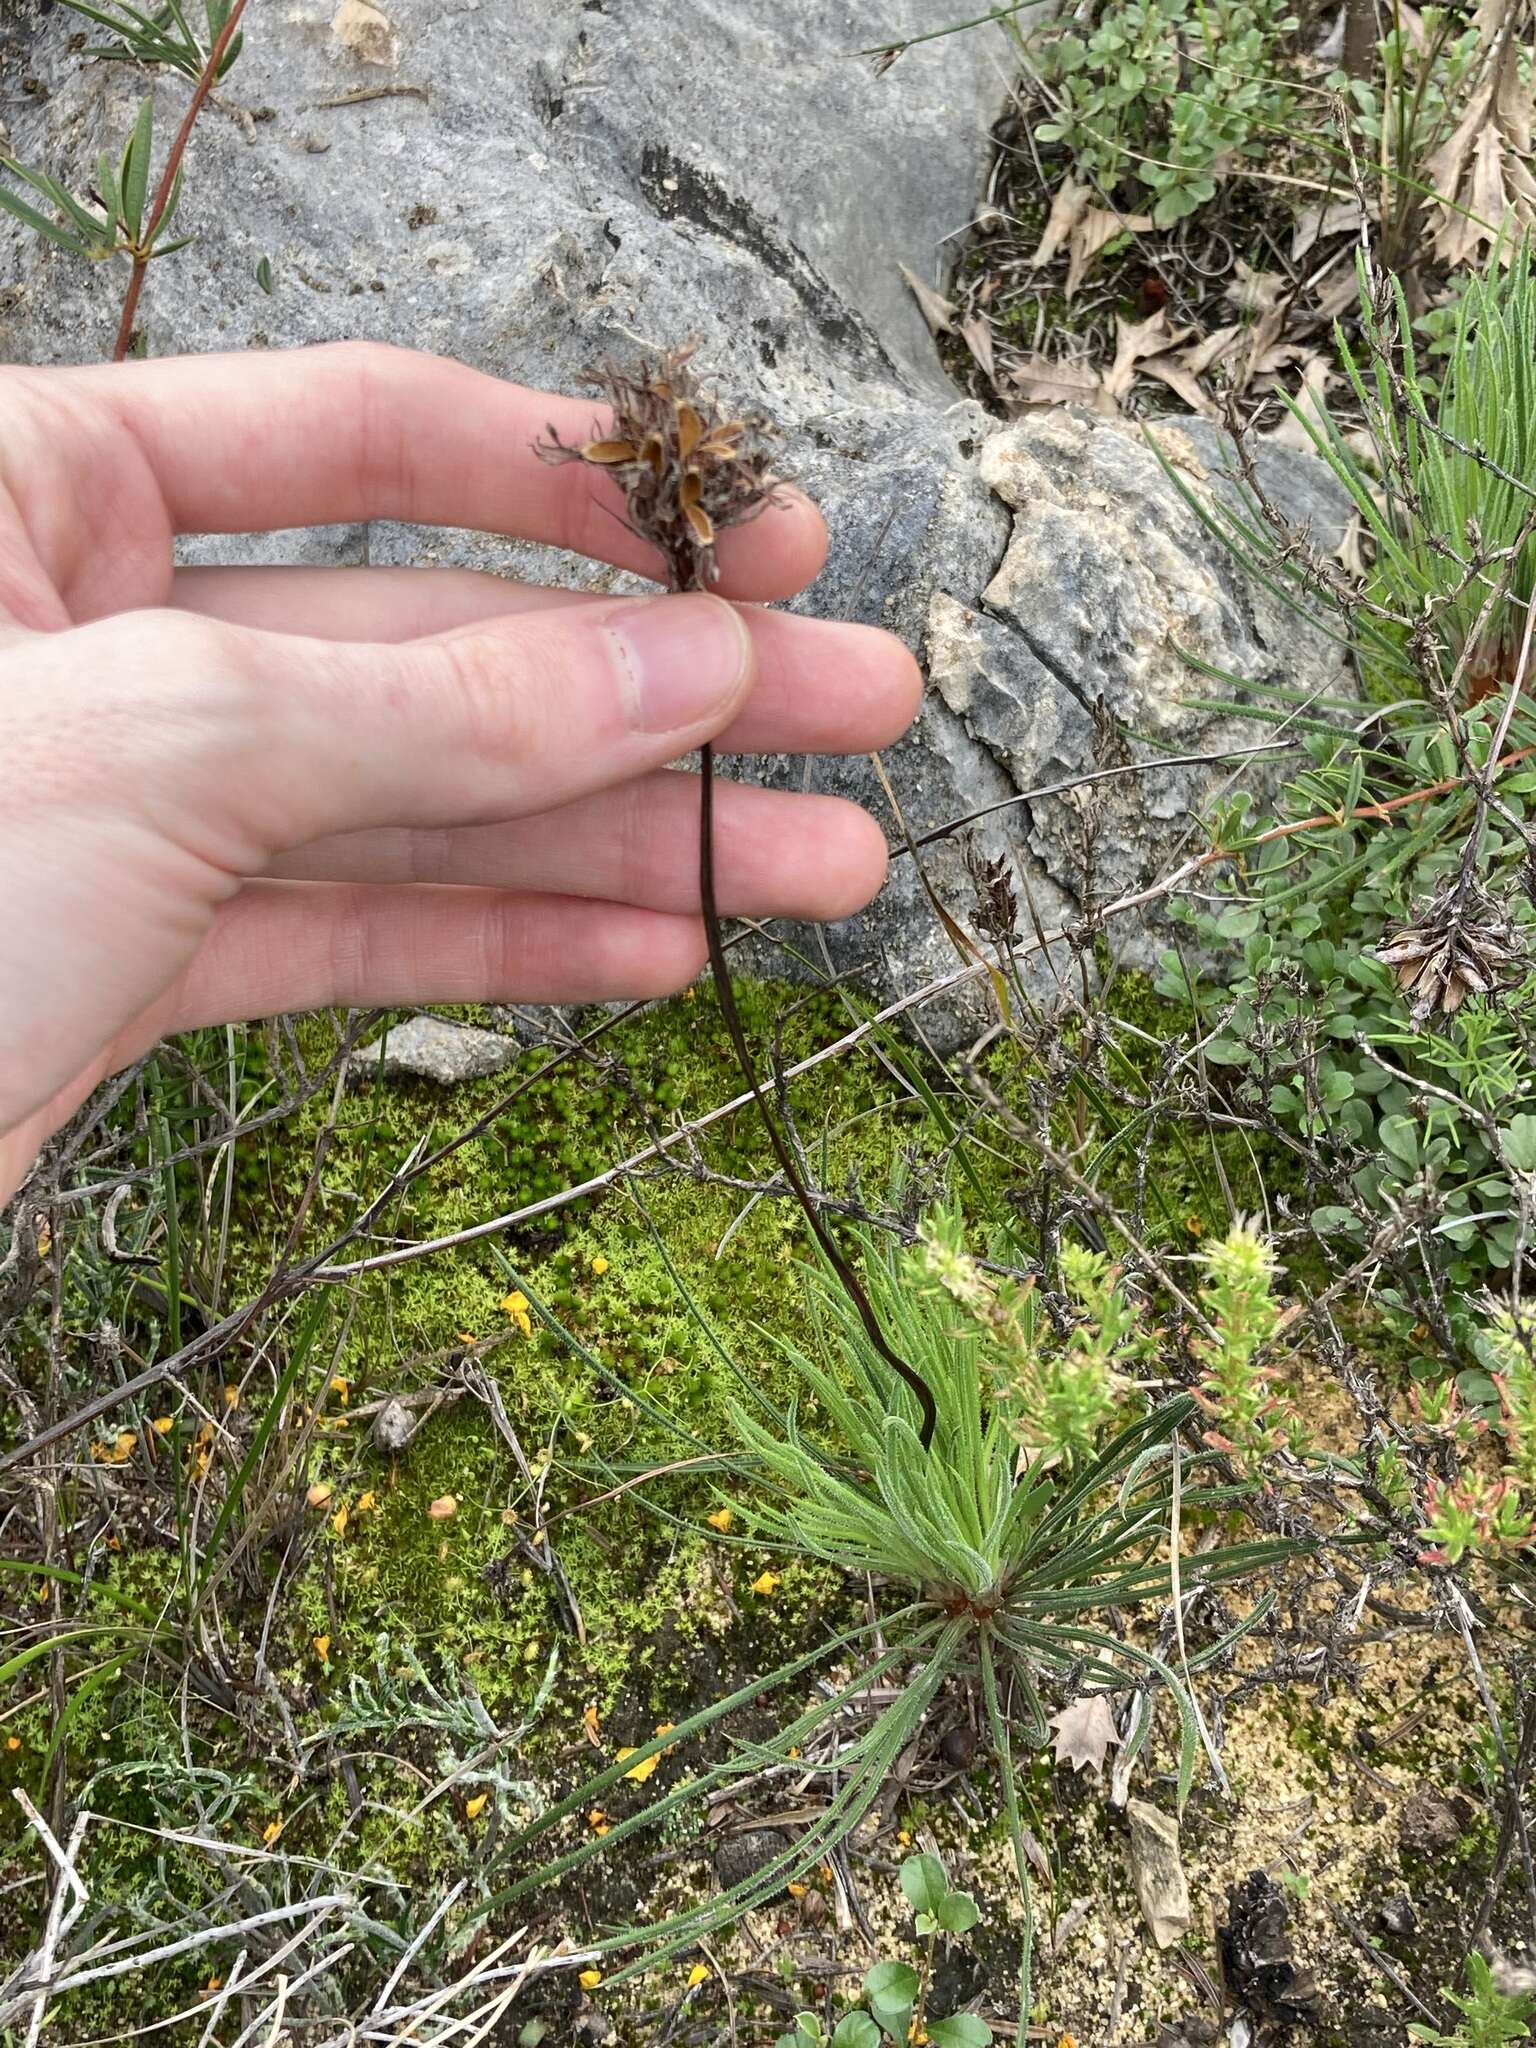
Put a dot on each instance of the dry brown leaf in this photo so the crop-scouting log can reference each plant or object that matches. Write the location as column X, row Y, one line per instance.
column 1316, row 375
column 1483, row 167
column 1457, row 237
column 1170, row 370
column 976, row 333
column 1320, row 223
column 1336, row 294
column 934, row 307
column 1091, row 231
column 1261, row 341
column 1487, row 197
column 1481, row 175
column 1134, row 341
column 1039, row 381
column 1256, row 291
column 1201, row 356
column 1084, row 1731
column 1278, row 356
column 1512, row 108
column 1067, row 209
column 1351, row 549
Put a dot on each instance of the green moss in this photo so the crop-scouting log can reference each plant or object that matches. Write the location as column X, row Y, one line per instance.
column 652, row 1615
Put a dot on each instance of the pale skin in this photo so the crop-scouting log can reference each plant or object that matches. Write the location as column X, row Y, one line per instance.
column 226, row 793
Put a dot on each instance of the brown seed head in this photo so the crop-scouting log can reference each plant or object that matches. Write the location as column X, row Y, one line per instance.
column 687, row 467
column 1460, row 944
column 997, row 902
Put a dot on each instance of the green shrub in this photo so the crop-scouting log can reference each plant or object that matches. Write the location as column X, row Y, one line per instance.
column 996, row 1566
column 896, row 1994
column 1407, row 1085
column 1490, row 2017
column 1167, row 94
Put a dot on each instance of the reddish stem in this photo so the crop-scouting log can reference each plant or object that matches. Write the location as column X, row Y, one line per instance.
column 1380, row 810
column 162, row 198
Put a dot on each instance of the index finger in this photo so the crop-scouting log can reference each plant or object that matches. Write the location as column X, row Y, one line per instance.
column 358, row 430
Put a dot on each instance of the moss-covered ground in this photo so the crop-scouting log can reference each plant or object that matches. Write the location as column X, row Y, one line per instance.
column 379, row 1660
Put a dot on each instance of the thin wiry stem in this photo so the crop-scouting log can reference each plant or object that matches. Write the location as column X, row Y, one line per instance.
column 726, row 998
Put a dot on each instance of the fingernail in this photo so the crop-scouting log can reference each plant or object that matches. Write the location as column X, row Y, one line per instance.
column 683, row 658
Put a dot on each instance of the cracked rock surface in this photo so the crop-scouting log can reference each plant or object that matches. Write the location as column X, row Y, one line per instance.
column 530, row 184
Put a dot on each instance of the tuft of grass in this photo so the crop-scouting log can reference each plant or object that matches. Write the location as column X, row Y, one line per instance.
column 995, row 1562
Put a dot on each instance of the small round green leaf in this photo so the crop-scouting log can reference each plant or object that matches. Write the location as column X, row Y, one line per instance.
column 891, row 1987
column 960, row 2030
column 924, row 1882
column 958, row 1913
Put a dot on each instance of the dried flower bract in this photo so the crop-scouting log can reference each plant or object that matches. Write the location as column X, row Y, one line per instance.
column 1461, row 944
column 997, row 901
column 687, row 468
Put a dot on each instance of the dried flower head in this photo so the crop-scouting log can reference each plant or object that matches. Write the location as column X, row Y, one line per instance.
column 1461, row 944
column 687, row 468
column 997, row 902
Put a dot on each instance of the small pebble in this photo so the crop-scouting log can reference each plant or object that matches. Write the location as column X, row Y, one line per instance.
column 1397, row 1915
column 393, row 1427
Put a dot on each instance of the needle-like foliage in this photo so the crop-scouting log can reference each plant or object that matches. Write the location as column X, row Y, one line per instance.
column 997, row 1561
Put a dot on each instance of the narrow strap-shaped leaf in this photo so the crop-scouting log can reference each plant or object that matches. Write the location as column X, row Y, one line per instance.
column 997, row 1722
column 135, row 168
column 50, row 230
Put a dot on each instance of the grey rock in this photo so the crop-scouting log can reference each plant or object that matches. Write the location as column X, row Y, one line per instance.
column 569, row 178
column 393, row 1428
column 1162, row 1891
column 1053, row 579
column 1429, row 1824
column 1397, row 1915
column 740, row 1857
column 433, row 1049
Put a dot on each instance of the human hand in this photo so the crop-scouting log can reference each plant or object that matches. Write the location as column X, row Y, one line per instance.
column 230, row 792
